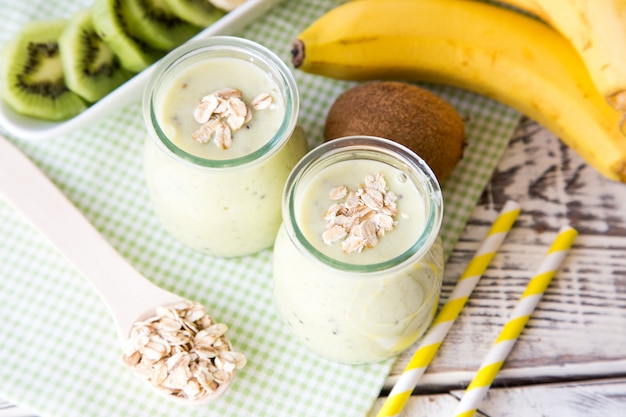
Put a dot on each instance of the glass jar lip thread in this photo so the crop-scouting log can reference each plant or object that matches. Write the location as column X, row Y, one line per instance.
column 223, row 46
column 366, row 147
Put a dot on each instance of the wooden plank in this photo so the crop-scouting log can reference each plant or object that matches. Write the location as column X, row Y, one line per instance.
column 606, row 398
column 579, row 327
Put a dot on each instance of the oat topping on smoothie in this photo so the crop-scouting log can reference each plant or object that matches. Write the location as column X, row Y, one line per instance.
column 222, row 113
column 362, row 216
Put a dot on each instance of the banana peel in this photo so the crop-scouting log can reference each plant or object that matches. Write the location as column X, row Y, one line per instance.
column 597, row 30
column 507, row 56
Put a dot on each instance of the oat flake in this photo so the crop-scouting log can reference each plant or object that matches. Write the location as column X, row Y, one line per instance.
column 222, row 113
column 364, row 216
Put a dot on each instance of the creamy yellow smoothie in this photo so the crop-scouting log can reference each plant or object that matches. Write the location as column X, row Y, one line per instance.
column 185, row 93
column 223, row 138
column 359, row 297
column 408, row 222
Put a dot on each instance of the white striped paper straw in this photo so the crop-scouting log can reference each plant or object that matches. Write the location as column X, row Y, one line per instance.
column 449, row 312
column 511, row 331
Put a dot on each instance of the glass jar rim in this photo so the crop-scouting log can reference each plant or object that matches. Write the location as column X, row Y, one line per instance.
column 370, row 145
column 227, row 45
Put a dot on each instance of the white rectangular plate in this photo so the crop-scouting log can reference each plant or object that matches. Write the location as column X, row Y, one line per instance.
column 29, row 128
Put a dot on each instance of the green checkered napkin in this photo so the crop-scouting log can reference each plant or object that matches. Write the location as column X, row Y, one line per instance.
column 58, row 348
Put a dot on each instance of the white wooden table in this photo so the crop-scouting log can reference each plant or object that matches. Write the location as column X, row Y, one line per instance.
column 571, row 358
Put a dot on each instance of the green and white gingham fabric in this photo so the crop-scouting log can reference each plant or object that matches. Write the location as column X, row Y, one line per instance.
column 59, row 354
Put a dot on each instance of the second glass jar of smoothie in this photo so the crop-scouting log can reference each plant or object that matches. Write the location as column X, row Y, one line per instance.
column 222, row 118
column 358, row 263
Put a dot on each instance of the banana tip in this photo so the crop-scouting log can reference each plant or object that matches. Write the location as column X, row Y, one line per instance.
column 618, row 100
column 297, row 53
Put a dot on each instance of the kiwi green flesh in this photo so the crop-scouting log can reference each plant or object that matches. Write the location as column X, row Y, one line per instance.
column 92, row 70
column 32, row 73
column 112, row 26
column 154, row 23
column 198, row 12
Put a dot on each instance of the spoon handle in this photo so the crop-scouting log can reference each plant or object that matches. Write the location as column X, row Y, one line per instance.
column 126, row 292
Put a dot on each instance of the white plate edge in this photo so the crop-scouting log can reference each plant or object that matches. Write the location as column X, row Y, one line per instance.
column 31, row 129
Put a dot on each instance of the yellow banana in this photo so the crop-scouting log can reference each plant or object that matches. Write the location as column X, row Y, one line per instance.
column 476, row 46
column 597, row 30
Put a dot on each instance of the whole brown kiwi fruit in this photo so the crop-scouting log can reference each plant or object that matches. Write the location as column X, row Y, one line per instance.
column 405, row 113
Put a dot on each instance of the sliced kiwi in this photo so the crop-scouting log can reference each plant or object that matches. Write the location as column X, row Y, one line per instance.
column 199, row 12
column 113, row 27
column 153, row 22
column 33, row 82
column 92, row 70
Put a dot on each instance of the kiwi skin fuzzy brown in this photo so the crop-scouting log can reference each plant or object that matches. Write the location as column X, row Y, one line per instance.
column 404, row 113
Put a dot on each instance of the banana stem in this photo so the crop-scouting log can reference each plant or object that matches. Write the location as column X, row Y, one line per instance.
column 297, row 53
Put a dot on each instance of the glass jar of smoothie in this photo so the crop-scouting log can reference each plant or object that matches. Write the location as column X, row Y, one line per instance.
column 222, row 120
column 358, row 262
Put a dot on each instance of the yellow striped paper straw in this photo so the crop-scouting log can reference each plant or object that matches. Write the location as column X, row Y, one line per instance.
column 450, row 311
column 511, row 331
